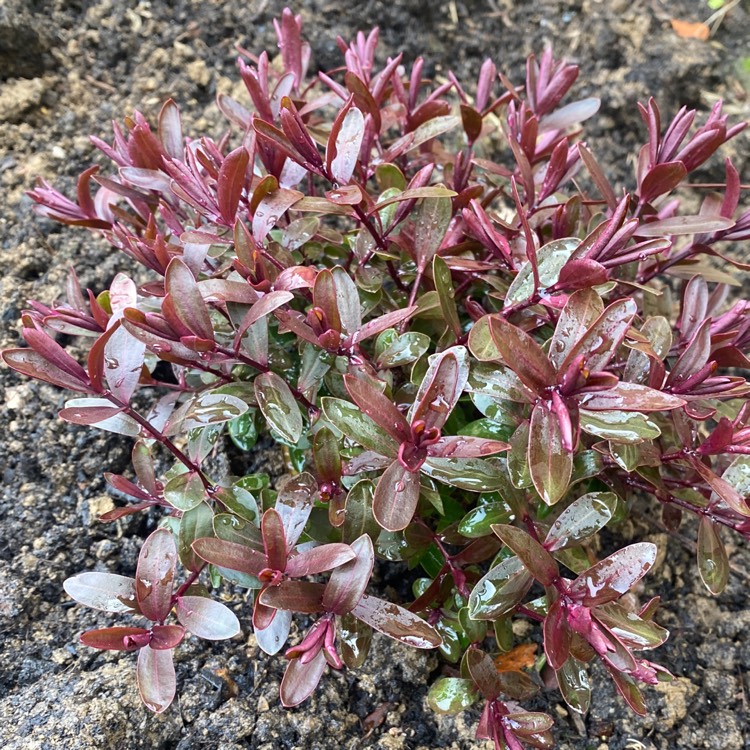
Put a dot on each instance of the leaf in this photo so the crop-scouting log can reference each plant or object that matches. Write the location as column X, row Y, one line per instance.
column 425, row 132
column 396, row 497
column 580, row 311
column 194, row 524
column 123, row 361
column 378, row 407
column 99, row 412
column 473, row 474
column 432, row 191
column 430, row 225
column 451, row 695
column 105, row 591
column 521, row 657
column 272, row 638
column 580, row 520
column 207, row 618
column 478, row 521
column 441, row 276
column 499, row 382
column 401, row 349
column 278, row 406
column 599, row 343
column 35, row 365
column 358, row 427
column 156, row 678
column 522, row 354
column 358, row 517
column 348, row 582
column 166, row 636
column 713, row 564
column 632, row 630
column 573, row 681
column 678, row 225
column 170, row 129
column 440, row 388
column 230, row 183
column 500, row 590
column 537, row 560
column 619, row 426
column 482, row 671
column 550, row 260
column 614, row 576
column 630, row 397
column 154, row 575
column 112, row 639
column 550, row 464
column 396, row 622
column 294, row 503
column 300, row 680
column 295, row 596
column 319, row 559
column 344, row 143
column 184, row 302
column 557, row 635
column 185, row 491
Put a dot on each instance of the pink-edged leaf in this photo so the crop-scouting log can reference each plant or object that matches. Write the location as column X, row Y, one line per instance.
column 295, row 596
column 170, row 129
column 123, row 362
column 557, row 636
column 278, row 405
column 695, row 356
column 264, row 306
column 99, row 413
column 271, row 639
column 39, row 365
column 396, row 622
column 599, row 343
column 461, row 446
column 431, row 223
column 630, row 397
column 722, row 487
column 378, row 325
column 713, row 564
column 230, row 555
column 274, row 541
column 113, row 639
column 629, row 691
column 185, row 300
column 231, row 182
column 684, row 225
column 348, row 582
column 579, row 313
column 156, row 678
column 396, row 497
column 270, row 209
column 344, row 143
column 614, row 576
column 535, row 558
column 550, row 464
column 154, row 575
column 165, row 637
column 581, row 273
column 348, row 195
column 319, row 559
column 294, row 504
column 300, row 680
column 522, row 354
column 441, row 387
column 105, row 591
column 378, row 407
column 207, row 618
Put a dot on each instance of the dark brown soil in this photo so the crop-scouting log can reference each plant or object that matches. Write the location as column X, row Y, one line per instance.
column 67, row 68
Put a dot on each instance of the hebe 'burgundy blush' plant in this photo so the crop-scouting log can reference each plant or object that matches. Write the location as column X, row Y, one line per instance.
column 462, row 335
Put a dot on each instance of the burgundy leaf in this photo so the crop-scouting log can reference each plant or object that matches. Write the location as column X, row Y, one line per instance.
column 154, row 575
column 319, row 559
column 522, row 354
column 378, row 407
column 295, row 596
column 231, row 182
column 396, row 497
column 460, row 446
column 347, row 583
column 535, row 558
column 550, row 463
column 630, row 397
column 165, row 637
column 185, row 301
column 482, row 671
column 274, row 541
column 112, row 639
column 157, row 682
column 557, row 636
column 300, row 680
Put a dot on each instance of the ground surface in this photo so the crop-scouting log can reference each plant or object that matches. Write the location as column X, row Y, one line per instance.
column 66, row 69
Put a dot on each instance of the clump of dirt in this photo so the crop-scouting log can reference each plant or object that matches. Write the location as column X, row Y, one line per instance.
column 67, row 70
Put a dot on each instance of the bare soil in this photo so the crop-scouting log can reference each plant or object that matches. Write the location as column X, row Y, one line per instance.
column 67, row 67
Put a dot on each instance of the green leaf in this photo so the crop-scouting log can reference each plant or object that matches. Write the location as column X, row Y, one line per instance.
column 500, row 590
column 394, row 350
column 278, row 406
column 441, row 276
column 550, row 259
column 478, row 521
column 473, row 474
column 581, row 519
column 713, row 563
column 184, row 491
column 573, row 680
column 194, row 524
column 451, row 695
column 243, row 431
column 619, row 426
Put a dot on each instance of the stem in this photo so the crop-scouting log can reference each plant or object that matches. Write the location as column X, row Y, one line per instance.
column 191, row 579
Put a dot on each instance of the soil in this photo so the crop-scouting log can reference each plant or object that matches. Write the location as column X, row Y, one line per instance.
column 67, row 67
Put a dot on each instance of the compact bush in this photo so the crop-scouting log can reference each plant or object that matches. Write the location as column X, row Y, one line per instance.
column 474, row 351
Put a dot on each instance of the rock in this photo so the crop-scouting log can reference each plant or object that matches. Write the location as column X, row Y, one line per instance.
column 19, row 96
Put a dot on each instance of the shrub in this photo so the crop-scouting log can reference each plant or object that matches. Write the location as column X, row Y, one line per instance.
column 465, row 340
